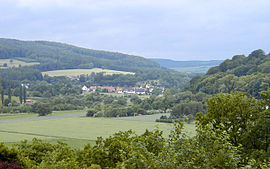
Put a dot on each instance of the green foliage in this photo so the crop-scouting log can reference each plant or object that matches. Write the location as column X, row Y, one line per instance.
column 42, row 109
column 243, row 119
column 185, row 109
column 208, row 149
column 11, row 158
column 16, row 109
column 90, row 113
column 247, row 74
column 35, row 151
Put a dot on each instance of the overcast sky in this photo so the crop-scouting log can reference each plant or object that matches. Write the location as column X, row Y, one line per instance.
column 173, row 29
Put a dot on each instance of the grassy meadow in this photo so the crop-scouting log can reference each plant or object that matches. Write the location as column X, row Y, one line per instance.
column 77, row 131
column 15, row 63
column 77, row 72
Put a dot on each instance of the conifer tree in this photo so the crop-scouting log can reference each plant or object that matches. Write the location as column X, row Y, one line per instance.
column 9, row 94
column 24, row 94
column 21, row 94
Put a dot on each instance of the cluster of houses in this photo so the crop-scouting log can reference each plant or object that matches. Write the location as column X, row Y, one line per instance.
column 111, row 89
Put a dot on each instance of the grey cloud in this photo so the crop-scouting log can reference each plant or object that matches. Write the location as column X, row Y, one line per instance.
column 176, row 29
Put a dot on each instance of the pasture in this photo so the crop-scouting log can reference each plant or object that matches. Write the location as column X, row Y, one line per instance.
column 77, row 130
column 77, row 72
column 15, row 63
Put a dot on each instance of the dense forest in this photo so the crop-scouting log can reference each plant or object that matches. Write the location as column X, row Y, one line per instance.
column 249, row 74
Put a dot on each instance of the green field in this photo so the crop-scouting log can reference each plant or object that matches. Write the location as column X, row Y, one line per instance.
column 27, row 115
column 77, row 72
column 16, row 116
column 77, row 131
column 15, row 63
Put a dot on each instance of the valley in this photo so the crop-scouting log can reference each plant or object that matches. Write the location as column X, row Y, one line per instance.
column 96, row 105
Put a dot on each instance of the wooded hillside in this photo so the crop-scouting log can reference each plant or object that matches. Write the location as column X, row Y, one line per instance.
column 249, row 74
column 53, row 56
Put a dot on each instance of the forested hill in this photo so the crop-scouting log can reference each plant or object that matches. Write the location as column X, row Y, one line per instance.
column 249, row 74
column 53, row 56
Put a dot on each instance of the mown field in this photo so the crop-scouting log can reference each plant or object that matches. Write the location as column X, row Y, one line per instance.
column 76, row 130
column 15, row 63
column 77, row 72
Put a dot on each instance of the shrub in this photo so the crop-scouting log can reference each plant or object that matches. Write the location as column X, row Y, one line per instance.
column 91, row 112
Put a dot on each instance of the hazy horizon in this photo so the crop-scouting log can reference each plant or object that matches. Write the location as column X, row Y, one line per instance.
column 177, row 30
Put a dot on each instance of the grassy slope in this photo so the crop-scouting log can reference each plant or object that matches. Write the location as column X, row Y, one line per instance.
column 27, row 115
column 15, row 63
column 77, row 72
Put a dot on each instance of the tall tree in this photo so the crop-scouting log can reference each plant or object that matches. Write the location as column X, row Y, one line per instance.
column 9, row 94
column 167, row 99
column 2, row 97
column 24, row 94
column 1, row 89
column 21, row 94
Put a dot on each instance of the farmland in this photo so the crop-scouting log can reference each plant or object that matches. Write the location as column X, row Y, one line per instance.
column 76, row 130
column 77, row 72
column 15, row 63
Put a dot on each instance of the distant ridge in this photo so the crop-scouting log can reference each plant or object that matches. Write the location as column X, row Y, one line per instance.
column 168, row 63
column 194, row 66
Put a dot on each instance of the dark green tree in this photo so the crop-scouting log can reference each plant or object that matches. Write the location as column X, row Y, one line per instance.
column 21, row 94
column 42, row 109
column 24, row 94
column 167, row 99
column 9, row 94
column 1, row 89
column 2, row 96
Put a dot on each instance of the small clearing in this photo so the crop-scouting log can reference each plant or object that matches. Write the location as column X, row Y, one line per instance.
column 8, row 63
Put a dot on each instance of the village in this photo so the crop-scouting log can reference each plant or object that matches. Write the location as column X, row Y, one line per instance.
column 146, row 90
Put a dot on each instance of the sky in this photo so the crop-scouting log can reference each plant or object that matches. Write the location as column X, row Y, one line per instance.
column 171, row 29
